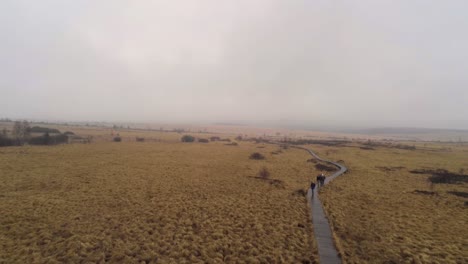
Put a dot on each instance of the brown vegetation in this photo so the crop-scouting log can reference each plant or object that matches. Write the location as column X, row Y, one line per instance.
column 382, row 213
column 152, row 202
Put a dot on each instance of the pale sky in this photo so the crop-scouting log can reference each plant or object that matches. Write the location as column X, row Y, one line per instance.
column 332, row 62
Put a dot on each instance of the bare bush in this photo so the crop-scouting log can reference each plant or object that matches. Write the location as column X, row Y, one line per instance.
column 21, row 132
column 264, row 173
column 117, row 139
column 203, row 140
column 140, row 139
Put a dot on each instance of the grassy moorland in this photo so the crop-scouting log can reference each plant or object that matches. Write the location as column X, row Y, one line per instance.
column 164, row 202
column 382, row 213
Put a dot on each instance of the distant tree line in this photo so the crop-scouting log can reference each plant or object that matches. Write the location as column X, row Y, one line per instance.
column 189, row 138
column 21, row 134
column 37, row 129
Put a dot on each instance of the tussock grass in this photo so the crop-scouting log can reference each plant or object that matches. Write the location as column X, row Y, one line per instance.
column 152, row 202
column 382, row 213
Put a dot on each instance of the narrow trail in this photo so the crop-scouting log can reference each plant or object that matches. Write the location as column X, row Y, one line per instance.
column 322, row 231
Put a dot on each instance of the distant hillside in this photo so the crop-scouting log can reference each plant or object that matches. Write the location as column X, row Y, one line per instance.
column 405, row 130
column 411, row 133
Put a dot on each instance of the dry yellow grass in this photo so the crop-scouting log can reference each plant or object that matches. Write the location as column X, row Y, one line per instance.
column 378, row 217
column 152, row 202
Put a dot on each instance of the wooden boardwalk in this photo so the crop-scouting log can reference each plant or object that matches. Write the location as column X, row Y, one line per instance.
column 322, row 231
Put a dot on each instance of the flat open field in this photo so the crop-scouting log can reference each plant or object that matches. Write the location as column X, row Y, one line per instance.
column 164, row 202
column 383, row 213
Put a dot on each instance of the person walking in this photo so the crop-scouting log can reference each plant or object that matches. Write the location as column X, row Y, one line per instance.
column 322, row 179
column 312, row 188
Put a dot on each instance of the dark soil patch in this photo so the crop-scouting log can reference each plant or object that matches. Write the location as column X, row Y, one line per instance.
column 275, row 182
column 449, row 178
column 461, row 194
column 424, row 192
column 324, row 167
column 367, row 148
column 383, row 168
column 442, row 176
column 300, row 192
column 427, row 171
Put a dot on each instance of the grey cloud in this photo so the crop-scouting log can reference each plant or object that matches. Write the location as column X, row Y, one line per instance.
column 367, row 63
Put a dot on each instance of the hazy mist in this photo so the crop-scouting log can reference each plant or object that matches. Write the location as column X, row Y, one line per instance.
column 346, row 63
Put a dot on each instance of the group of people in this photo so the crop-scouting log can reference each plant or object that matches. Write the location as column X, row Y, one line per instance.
column 321, row 180
column 320, row 183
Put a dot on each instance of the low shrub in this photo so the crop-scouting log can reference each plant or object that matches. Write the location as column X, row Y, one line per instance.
column 117, row 139
column 215, row 138
column 187, row 138
column 257, row 156
column 140, row 139
column 203, row 140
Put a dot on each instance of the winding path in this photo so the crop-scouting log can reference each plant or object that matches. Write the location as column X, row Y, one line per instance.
column 322, row 231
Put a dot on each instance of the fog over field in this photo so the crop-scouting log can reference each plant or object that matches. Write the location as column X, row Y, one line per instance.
column 325, row 63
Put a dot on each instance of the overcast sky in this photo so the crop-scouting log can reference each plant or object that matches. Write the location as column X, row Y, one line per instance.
column 331, row 62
